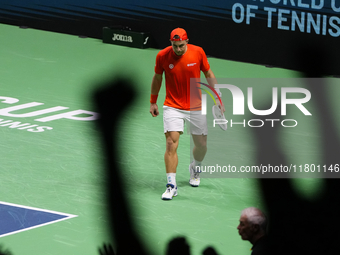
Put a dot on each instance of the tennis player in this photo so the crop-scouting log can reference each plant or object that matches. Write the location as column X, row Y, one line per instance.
column 180, row 62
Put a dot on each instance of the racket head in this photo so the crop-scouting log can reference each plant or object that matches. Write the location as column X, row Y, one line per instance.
column 216, row 111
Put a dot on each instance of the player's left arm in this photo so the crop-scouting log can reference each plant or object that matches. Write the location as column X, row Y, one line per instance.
column 210, row 76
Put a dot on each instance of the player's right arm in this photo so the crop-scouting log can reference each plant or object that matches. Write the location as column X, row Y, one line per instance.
column 155, row 87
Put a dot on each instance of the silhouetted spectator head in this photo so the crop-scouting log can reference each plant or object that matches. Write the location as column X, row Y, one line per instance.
column 253, row 224
column 209, row 251
column 178, row 246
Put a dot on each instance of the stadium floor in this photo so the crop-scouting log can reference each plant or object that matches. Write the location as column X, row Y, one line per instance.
column 56, row 165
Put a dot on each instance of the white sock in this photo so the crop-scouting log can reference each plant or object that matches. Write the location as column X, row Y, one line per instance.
column 171, row 178
column 197, row 163
column 197, row 166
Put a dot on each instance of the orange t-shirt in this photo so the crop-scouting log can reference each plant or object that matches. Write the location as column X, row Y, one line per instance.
column 178, row 71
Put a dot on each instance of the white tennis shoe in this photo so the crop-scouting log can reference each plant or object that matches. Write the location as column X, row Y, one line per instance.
column 194, row 176
column 170, row 192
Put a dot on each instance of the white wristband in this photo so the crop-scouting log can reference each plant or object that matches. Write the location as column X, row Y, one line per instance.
column 218, row 92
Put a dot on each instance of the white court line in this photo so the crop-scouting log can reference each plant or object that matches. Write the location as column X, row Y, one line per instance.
column 68, row 216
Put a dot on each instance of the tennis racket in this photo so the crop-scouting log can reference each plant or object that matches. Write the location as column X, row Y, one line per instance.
column 218, row 115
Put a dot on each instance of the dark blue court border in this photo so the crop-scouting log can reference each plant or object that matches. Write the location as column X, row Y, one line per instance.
column 18, row 218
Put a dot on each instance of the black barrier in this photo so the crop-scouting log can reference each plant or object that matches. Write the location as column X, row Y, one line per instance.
column 126, row 37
